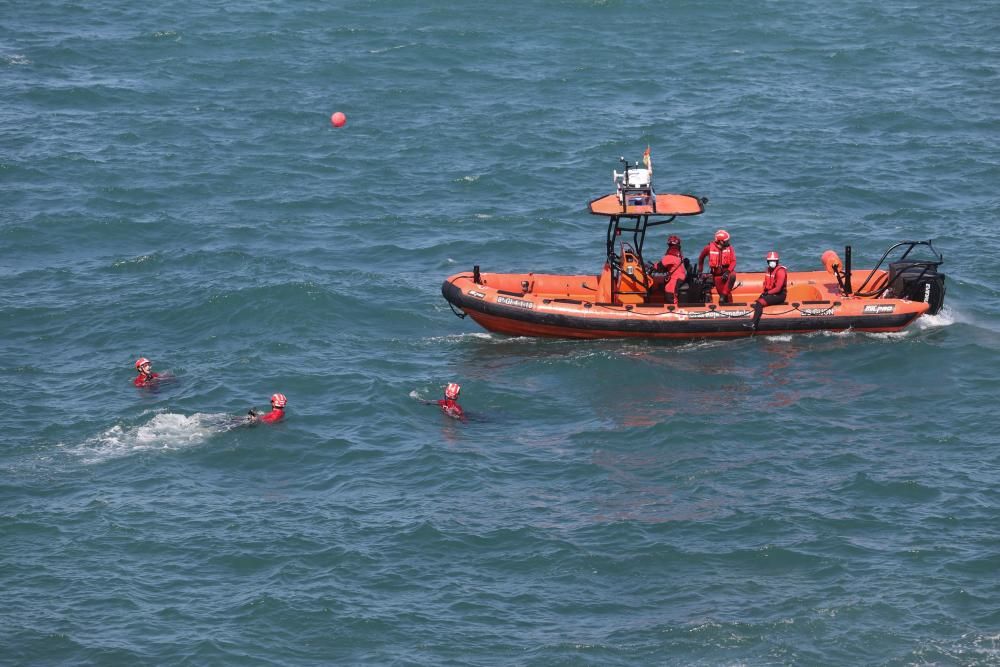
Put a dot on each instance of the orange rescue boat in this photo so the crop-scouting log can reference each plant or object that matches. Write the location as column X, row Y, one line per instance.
column 627, row 298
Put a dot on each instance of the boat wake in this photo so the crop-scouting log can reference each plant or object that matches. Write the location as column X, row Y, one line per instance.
column 945, row 317
column 471, row 335
column 165, row 431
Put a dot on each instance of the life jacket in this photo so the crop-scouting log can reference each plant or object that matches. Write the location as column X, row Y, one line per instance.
column 776, row 281
column 721, row 260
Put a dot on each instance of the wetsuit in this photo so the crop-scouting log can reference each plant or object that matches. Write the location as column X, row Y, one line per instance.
column 142, row 380
column 775, row 291
column 673, row 264
column 722, row 264
column 274, row 416
column 451, row 408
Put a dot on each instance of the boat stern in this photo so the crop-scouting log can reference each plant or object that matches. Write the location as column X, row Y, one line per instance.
column 918, row 281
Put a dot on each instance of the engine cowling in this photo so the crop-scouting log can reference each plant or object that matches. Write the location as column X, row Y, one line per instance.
column 917, row 281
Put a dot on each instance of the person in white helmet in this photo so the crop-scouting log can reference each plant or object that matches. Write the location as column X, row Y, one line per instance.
column 146, row 376
column 775, row 287
column 449, row 404
column 277, row 413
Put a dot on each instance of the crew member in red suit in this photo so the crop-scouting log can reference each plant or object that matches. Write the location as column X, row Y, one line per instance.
column 146, row 376
column 775, row 287
column 721, row 264
column 449, row 404
column 277, row 413
column 673, row 265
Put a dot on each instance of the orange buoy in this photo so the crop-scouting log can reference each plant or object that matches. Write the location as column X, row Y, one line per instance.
column 831, row 260
column 338, row 119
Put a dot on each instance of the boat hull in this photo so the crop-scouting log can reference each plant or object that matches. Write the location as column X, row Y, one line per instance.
column 497, row 308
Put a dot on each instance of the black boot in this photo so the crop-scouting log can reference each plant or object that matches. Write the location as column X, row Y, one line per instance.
column 758, row 310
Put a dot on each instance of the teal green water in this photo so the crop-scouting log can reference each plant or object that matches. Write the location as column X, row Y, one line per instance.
column 171, row 187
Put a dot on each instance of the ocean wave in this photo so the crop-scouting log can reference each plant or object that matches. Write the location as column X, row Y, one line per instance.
column 16, row 59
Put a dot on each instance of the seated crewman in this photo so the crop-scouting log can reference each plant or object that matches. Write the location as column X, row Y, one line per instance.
column 775, row 287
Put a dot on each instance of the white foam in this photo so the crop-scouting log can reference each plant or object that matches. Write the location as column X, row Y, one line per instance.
column 390, row 48
column 887, row 335
column 945, row 317
column 141, row 259
column 165, row 431
column 463, row 336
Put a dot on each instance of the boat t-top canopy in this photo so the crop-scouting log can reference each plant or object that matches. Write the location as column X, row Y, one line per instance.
column 634, row 196
column 635, row 207
column 652, row 204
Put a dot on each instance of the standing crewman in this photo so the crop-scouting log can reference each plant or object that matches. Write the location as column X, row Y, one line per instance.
column 721, row 264
column 775, row 287
column 673, row 265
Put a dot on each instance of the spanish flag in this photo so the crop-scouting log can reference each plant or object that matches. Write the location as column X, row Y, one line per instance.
column 646, row 160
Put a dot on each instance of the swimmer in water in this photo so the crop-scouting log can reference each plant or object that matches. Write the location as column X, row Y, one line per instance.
column 449, row 404
column 146, row 376
column 277, row 413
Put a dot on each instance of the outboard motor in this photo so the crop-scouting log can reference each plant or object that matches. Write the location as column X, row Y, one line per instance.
column 917, row 281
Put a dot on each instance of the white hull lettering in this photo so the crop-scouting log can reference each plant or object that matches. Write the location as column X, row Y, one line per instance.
column 517, row 303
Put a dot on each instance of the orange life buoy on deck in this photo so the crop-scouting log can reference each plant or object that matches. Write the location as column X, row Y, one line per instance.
column 830, row 260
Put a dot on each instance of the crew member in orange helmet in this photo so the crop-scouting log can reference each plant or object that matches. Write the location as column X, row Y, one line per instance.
column 277, row 413
column 673, row 265
column 722, row 265
column 775, row 287
column 146, row 376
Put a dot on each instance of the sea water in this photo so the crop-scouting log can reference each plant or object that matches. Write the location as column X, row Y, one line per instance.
column 171, row 187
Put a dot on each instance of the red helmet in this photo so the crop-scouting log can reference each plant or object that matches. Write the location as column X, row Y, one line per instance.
column 773, row 256
column 451, row 391
column 140, row 362
column 279, row 400
column 722, row 235
column 674, row 240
